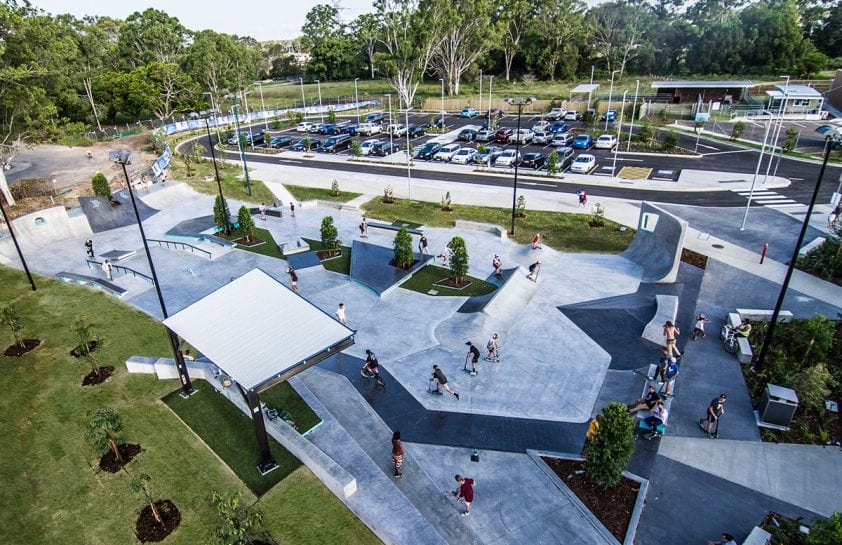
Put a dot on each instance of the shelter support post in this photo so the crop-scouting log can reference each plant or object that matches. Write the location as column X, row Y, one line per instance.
column 267, row 462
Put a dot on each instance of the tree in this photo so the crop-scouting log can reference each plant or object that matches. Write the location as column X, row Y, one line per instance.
column 172, row 89
column 403, row 255
column 331, row 115
column 828, row 38
column 737, row 130
column 329, row 233
column 617, row 32
column 411, row 33
column 222, row 214
column 99, row 183
column 459, row 259
column 126, row 95
column 237, row 526
column 791, row 139
column 332, row 50
column 552, row 42
column 513, row 18
column 220, row 62
column 467, row 35
column 607, row 455
column 521, row 206
column 813, row 386
column 93, row 45
column 366, row 30
column 151, row 36
column 140, row 485
column 103, row 431
column 646, row 134
column 552, row 163
column 197, row 151
column 88, row 341
column 246, row 223
column 11, row 319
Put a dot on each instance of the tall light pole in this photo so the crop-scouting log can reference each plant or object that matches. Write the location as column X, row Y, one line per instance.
column 442, row 103
column 391, row 128
column 263, row 105
column 754, row 179
column 17, row 246
column 123, row 158
column 303, row 101
column 321, row 110
column 634, row 112
column 215, row 119
column 213, row 158
column 610, row 93
column 408, row 158
column 775, row 138
column 242, row 151
column 619, row 131
column 480, row 90
column 490, row 84
column 833, row 138
column 520, row 102
column 357, row 98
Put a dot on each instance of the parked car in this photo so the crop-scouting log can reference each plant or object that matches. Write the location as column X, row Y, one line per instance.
column 467, row 134
column 311, row 144
column 487, row 156
column 316, row 127
column 464, row 156
column 396, row 129
column 522, row 137
column 606, row 141
column 485, row 135
column 572, row 115
column 349, row 128
column 540, row 126
column 583, row 164
column 327, row 128
column 541, row 137
column 495, row 112
column 438, row 123
column 507, row 159
column 366, row 145
column 376, row 117
column 565, row 156
column 558, row 126
column 427, row 151
column 337, row 143
column 280, row 141
column 304, row 126
column 446, row 153
column 555, row 114
column 382, row 149
column 250, row 139
column 610, row 115
column 503, row 135
column 369, row 128
column 582, row 141
column 533, row 160
column 468, row 112
column 562, row 139
column 416, row 130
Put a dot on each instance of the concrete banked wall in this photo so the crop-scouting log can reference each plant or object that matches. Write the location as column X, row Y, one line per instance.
column 657, row 249
column 41, row 228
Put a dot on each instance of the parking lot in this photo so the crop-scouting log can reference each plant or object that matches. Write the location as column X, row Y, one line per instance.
column 626, row 166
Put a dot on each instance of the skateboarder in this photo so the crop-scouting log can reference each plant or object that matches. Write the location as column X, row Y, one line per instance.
column 108, row 269
column 293, row 279
column 473, row 354
column 89, row 247
column 441, row 382
column 534, row 269
column 263, row 211
column 340, row 314
column 497, row 263
column 715, row 410
column 493, row 355
column 465, row 492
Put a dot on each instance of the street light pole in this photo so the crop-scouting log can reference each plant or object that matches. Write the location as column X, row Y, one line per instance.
column 213, row 158
column 321, row 110
column 303, row 100
column 215, row 118
column 242, row 150
column 442, row 103
column 263, row 105
column 634, row 112
column 520, row 102
column 781, row 112
column 610, row 93
column 17, row 246
column 357, row 98
column 124, row 158
column 480, row 91
column 619, row 132
column 490, row 84
column 754, row 179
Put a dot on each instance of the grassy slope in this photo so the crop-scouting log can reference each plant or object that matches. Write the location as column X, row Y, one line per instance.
column 302, row 193
column 423, row 280
column 233, row 184
column 52, row 490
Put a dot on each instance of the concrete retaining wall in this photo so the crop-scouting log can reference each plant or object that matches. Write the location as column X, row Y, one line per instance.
column 495, row 230
column 667, row 309
column 42, row 228
column 657, row 245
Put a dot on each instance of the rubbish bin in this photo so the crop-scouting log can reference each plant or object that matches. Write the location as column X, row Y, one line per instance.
column 778, row 405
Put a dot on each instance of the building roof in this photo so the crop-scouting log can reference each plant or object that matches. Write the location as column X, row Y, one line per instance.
column 702, row 84
column 585, row 88
column 256, row 329
column 794, row 91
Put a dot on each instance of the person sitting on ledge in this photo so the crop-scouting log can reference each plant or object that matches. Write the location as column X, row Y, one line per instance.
column 647, row 402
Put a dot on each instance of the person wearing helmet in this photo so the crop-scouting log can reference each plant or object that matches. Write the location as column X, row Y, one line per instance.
column 497, row 263
column 371, row 363
column 492, row 349
column 699, row 327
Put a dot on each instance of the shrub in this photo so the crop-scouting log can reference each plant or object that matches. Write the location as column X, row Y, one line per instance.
column 222, row 214
column 245, row 222
column 608, row 455
column 446, row 203
column 670, row 141
column 552, row 163
column 459, row 261
column 331, row 116
column 237, row 526
column 388, row 195
column 826, row 531
column 812, row 386
column 597, row 218
column 737, row 130
column 403, row 255
column 334, row 188
column 521, row 206
column 824, row 261
column 791, row 139
column 329, row 234
column 99, row 183
column 11, row 319
column 646, row 134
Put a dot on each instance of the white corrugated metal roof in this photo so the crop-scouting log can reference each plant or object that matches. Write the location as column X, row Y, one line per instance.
column 701, row 84
column 255, row 328
column 585, row 88
column 794, row 91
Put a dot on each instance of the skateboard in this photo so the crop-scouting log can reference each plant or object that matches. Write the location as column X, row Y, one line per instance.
column 715, row 434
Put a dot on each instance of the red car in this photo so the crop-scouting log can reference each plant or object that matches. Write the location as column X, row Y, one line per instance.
column 503, row 135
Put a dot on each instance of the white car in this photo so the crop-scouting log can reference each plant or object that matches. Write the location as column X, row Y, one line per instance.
column 583, row 164
column 367, row 145
column 606, row 141
column 541, row 137
column 304, row 126
column 446, row 153
column 485, row 135
column 369, row 128
column 556, row 113
column 315, row 127
column 507, row 159
column 572, row 115
column 540, row 126
column 396, row 129
column 523, row 136
column 562, row 139
column 464, row 156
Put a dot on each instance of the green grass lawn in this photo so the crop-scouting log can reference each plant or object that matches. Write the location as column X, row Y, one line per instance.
column 283, row 396
column 423, row 280
column 341, row 264
column 565, row 232
column 268, row 248
column 233, row 184
column 230, row 434
column 53, row 491
column 302, row 193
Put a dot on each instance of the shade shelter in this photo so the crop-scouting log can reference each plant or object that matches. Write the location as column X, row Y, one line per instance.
column 259, row 333
column 678, row 92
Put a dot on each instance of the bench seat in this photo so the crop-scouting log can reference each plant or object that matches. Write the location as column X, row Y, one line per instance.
column 744, row 351
column 763, row 315
column 98, row 283
column 390, row 227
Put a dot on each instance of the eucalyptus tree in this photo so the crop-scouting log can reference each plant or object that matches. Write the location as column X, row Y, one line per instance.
column 468, row 32
column 512, row 17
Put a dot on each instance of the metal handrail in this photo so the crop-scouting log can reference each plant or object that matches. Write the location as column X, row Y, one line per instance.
column 92, row 264
column 181, row 246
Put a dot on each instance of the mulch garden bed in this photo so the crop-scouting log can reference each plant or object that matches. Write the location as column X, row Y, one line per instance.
column 393, row 264
column 613, row 507
column 92, row 379
column 109, row 461
column 16, row 350
column 452, row 283
column 248, row 241
column 328, row 254
column 694, row 258
column 148, row 529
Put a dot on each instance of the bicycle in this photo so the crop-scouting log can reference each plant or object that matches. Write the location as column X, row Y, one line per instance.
column 368, row 375
column 273, row 414
column 729, row 339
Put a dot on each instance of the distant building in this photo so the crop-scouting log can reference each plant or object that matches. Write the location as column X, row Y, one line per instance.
column 683, row 92
column 795, row 99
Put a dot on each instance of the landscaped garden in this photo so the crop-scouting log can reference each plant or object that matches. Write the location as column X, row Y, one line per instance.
column 200, row 176
column 53, row 488
column 303, row 193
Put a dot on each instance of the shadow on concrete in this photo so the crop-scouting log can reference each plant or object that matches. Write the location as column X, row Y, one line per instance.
column 370, row 267
column 104, row 216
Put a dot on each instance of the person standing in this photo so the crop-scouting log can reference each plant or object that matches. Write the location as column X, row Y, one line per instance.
column 671, row 332
column 534, row 269
column 364, row 228
column 108, row 269
column 493, row 355
column 671, row 374
column 422, row 245
column 292, row 209
column 340, row 314
column 699, row 327
column 497, row 263
column 536, row 241
column 473, row 354
column 397, row 453
column 583, row 198
column 715, row 410
column 89, row 247
column 263, row 211
column 441, row 382
column 465, row 492
column 293, row 279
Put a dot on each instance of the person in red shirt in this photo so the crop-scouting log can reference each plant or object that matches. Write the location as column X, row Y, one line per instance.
column 536, row 241
column 465, row 492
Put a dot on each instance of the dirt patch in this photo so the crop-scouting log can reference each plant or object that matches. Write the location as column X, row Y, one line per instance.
column 613, row 507
column 328, row 254
column 148, row 529
column 92, row 379
column 109, row 461
column 16, row 350
column 694, row 258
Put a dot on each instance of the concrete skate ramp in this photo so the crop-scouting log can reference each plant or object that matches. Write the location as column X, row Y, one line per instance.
column 103, row 216
column 657, row 245
column 42, row 228
column 169, row 194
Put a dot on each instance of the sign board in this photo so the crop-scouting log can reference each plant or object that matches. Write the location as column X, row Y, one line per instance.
column 702, row 117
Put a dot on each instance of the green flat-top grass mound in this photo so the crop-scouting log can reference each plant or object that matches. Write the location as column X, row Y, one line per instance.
column 54, row 492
